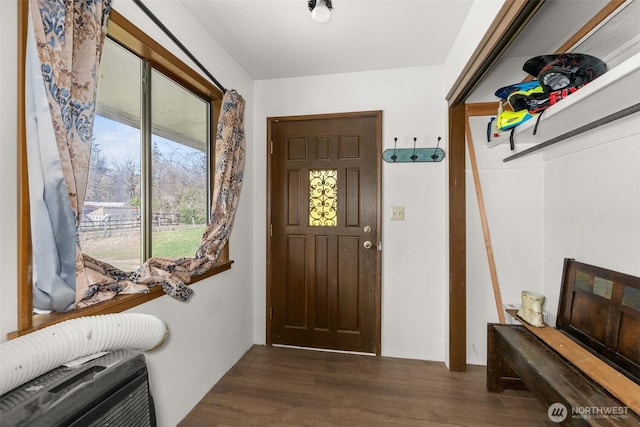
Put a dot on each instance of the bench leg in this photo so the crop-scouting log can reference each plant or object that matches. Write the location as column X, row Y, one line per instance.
column 494, row 363
column 500, row 375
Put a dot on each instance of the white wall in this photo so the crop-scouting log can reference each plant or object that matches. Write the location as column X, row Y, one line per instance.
column 210, row 332
column 592, row 203
column 479, row 19
column 413, row 284
column 513, row 199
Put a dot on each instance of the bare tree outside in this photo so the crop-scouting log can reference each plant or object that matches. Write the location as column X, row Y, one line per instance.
column 110, row 227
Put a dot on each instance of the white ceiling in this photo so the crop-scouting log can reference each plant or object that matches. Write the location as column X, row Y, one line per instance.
column 278, row 39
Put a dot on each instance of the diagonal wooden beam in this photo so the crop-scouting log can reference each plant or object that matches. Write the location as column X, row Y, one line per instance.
column 482, row 110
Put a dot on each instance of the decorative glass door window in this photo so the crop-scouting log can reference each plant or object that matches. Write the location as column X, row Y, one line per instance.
column 323, row 198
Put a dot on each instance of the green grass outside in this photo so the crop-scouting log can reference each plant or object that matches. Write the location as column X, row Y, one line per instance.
column 177, row 243
column 123, row 251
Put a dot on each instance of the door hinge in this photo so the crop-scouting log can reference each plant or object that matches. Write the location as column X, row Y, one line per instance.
column 270, row 230
column 271, row 149
column 270, row 313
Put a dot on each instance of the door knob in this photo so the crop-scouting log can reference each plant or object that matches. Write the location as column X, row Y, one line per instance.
column 367, row 244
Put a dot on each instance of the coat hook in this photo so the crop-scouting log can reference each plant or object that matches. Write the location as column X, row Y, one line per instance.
column 434, row 156
column 413, row 156
column 394, row 157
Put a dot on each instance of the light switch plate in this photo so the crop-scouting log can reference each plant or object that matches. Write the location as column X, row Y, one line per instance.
column 397, row 213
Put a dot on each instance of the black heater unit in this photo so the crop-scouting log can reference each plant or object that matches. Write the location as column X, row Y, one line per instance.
column 112, row 390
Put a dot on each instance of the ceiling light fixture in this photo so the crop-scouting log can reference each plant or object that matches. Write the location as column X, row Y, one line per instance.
column 320, row 10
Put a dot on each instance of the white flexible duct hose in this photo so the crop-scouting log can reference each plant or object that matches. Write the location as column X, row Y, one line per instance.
column 34, row 354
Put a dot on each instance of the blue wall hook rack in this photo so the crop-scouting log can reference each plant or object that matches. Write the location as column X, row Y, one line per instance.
column 413, row 155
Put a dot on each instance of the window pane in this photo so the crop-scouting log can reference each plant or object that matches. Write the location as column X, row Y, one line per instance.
column 110, row 226
column 179, row 168
column 323, row 197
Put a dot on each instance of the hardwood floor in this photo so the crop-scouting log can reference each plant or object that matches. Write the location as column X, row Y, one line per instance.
column 274, row 386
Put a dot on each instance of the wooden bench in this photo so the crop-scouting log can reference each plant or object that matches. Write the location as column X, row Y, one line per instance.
column 590, row 363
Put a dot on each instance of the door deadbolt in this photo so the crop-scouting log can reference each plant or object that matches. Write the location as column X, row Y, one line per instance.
column 367, row 229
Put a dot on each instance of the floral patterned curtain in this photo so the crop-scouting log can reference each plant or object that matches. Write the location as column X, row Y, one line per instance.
column 173, row 274
column 63, row 54
column 230, row 153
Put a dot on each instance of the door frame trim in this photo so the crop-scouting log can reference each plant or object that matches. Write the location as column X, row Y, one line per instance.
column 509, row 21
column 377, row 114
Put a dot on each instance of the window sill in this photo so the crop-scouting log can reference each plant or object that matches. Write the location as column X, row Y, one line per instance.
column 115, row 305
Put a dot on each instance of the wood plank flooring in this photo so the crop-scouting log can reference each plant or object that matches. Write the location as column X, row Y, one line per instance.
column 274, row 386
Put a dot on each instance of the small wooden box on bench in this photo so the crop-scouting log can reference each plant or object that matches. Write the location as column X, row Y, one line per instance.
column 590, row 362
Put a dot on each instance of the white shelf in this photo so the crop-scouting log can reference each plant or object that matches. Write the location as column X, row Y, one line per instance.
column 615, row 90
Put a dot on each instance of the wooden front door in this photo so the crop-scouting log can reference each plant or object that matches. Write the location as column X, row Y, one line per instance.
column 323, row 261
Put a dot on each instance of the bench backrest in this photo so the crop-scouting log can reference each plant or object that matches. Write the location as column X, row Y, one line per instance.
column 601, row 309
